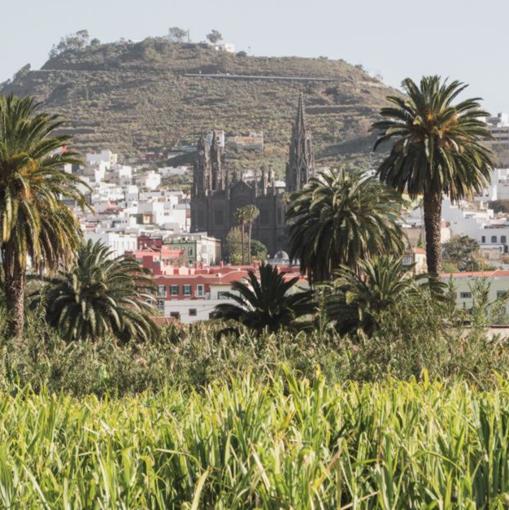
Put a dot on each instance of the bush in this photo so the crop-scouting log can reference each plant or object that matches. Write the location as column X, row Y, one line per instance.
column 405, row 346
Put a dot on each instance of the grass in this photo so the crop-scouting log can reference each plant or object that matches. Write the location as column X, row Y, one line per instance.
column 287, row 443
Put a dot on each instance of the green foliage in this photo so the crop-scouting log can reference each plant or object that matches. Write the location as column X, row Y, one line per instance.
column 404, row 345
column 499, row 206
column 485, row 311
column 99, row 295
column 437, row 145
column 266, row 302
column 290, row 443
column 72, row 42
column 357, row 300
column 34, row 224
column 463, row 252
column 233, row 248
column 341, row 218
column 437, row 148
column 177, row 34
column 258, row 250
column 214, row 36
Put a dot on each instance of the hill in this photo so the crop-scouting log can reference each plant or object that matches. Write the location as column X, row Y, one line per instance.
column 154, row 95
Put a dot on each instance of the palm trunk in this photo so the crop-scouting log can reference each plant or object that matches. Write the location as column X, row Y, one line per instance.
column 14, row 287
column 432, row 224
column 249, row 234
column 242, row 241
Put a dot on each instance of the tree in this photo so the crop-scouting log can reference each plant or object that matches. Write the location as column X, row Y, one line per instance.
column 268, row 302
column 437, row 148
column 99, row 295
column 233, row 250
column 356, row 299
column 177, row 34
column 35, row 226
column 463, row 252
column 340, row 218
column 243, row 216
column 258, row 250
column 214, row 36
column 251, row 212
column 76, row 41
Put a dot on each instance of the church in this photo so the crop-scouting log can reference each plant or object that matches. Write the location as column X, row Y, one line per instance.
column 217, row 193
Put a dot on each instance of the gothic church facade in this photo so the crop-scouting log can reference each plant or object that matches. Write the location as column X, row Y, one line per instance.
column 218, row 193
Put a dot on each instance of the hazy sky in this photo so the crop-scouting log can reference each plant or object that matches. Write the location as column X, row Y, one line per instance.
column 463, row 39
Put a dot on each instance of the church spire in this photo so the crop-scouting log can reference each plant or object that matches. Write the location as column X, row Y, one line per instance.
column 201, row 171
column 216, row 157
column 300, row 166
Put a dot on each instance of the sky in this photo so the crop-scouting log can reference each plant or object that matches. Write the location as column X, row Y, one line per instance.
column 461, row 39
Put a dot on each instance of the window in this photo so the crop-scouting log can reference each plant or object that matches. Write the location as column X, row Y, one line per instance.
column 161, row 290
column 465, row 295
column 483, row 239
column 174, row 290
column 200, row 290
column 187, row 290
column 193, row 312
column 222, row 295
column 503, row 239
column 501, row 294
column 160, row 305
column 175, row 315
column 493, row 239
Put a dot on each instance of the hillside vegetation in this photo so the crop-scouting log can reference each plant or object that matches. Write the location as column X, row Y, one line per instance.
column 154, row 95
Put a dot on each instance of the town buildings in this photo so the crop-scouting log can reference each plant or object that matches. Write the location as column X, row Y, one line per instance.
column 464, row 285
column 191, row 294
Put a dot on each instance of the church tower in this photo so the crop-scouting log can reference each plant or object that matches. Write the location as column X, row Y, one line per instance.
column 201, row 170
column 301, row 163
column 216, row 164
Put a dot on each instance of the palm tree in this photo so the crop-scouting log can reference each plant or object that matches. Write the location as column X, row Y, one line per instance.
column 251, row 213
column 356, row 299
column 240, row 218
column 437, row 149
column 35, row 226
column 340, row 218
column 99, row 295
column 268, row 302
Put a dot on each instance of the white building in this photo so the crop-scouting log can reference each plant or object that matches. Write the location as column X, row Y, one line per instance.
column 106, row 157
column 124, row 174
column 464, row 284
column 478, row 223
column 224, row 46
column 198, row 248
column 170, row 171
column 119, row 243
column 150, row 180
